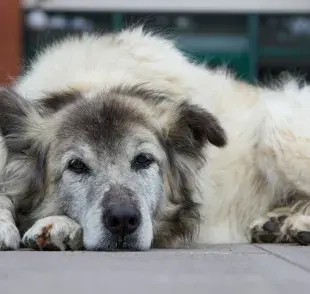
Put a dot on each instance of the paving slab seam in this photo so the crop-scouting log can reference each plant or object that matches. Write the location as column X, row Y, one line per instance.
column 281, row 257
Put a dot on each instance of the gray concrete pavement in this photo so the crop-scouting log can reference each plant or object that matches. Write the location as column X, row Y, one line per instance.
column 250, row 269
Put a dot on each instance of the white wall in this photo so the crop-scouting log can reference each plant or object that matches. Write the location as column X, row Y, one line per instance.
column 268, row 6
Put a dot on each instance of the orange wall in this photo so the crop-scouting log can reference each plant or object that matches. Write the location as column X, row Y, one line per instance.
column 10, row 40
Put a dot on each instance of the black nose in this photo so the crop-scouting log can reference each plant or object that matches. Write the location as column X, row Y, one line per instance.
column 122, row 220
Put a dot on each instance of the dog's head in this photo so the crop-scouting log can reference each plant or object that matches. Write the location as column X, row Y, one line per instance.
column 120, row 163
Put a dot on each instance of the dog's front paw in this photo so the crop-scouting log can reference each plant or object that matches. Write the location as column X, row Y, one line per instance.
column 9, row 236
column 298, row 228
column 54, row 233
column 268, row 229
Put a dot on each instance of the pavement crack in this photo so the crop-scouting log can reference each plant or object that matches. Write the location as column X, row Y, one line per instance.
column 281, row 257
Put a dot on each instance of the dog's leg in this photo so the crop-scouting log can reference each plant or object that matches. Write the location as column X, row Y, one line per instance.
column 286, row 224
column 54, row 233
column 9, row 234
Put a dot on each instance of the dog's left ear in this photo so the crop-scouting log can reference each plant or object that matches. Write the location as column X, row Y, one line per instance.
column 188, row 128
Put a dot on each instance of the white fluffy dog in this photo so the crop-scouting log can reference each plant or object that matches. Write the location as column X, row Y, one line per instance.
column 256, row 188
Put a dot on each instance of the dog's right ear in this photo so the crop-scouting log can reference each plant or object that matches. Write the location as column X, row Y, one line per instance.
column 23, row 122
column 23, row 130
column 14, row 112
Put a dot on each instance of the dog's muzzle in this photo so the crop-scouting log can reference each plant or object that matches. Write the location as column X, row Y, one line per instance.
column 121, row 217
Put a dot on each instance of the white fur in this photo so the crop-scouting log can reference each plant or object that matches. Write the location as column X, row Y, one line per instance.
column 9, row 234
column 268, row 129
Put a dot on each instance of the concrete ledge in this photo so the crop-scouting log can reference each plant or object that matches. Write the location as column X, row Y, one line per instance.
column 204, row 269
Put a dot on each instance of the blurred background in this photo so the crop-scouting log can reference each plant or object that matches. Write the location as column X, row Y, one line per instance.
column 258, row 39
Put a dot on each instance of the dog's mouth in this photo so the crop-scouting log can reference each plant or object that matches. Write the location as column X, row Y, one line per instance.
column 119, row 244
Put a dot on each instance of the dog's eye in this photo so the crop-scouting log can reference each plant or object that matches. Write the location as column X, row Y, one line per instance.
column 142, row 161
column 77, row 166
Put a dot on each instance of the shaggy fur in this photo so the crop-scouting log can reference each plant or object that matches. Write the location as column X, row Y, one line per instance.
column 211, row 194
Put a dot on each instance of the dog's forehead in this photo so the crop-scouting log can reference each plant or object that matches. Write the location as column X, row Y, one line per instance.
column 102, row 122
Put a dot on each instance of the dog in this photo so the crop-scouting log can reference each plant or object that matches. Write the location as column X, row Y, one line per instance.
column 121, row 142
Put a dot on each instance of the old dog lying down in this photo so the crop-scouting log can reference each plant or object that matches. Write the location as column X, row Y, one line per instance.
column 120, row 142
